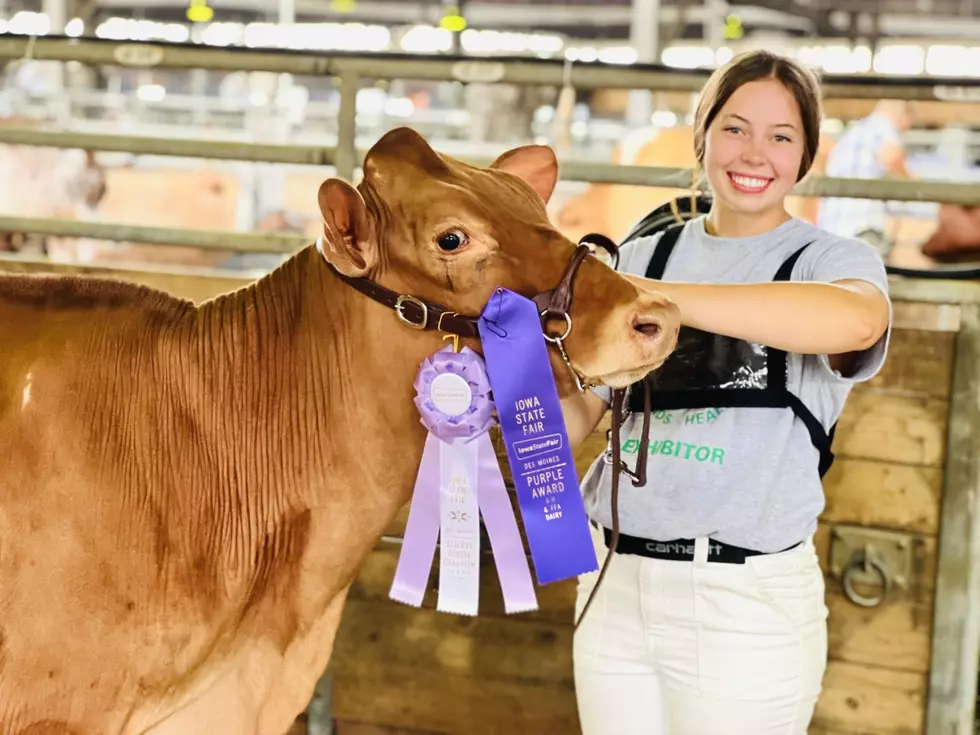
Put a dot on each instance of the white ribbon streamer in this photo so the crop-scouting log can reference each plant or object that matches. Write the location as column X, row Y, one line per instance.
column 459, row 545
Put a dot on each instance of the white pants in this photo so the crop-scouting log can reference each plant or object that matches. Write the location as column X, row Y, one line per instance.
column 699, row 648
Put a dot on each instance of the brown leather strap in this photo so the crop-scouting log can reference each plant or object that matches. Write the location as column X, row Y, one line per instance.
column 423, row 315
column 618, row 398
column 412, row 311
column 557, row 302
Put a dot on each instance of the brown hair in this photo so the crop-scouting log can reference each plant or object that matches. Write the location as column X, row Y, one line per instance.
column 750, row 67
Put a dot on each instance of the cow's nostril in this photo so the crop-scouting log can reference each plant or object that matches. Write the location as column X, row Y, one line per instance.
column 647, row 327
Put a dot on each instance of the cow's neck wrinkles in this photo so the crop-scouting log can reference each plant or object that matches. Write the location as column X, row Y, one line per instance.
column 327, row 374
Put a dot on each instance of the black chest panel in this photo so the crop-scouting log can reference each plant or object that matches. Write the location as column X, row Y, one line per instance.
column 709, row 370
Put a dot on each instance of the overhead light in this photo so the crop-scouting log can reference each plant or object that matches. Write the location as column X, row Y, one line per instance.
column 733, row 28
column 151, row 93
column 75, row 28
column 453, row 21
column 199, row 12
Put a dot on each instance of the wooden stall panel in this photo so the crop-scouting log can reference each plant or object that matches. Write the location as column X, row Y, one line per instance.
column 868, row 700
column 424, row 670
column 919, row 361
column 891, row 445
column 883, row 426
column 883, row 494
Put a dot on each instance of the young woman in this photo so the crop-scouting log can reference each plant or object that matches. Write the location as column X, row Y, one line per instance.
column 711, row 618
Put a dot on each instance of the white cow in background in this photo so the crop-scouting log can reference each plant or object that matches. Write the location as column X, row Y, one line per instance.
column 47, row 183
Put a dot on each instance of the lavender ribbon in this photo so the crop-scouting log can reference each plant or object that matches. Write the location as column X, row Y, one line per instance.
column 459, row 438
column 533, row 426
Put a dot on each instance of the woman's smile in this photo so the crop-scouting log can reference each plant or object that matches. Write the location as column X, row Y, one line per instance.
column 749, row 184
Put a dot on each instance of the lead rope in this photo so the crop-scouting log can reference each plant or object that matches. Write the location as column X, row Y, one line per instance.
column 617, row 413
column 639, row 479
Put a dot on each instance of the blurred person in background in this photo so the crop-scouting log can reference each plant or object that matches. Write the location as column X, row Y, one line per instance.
column 870, row 148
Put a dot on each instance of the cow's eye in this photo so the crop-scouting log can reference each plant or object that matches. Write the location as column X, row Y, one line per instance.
column 452, row 240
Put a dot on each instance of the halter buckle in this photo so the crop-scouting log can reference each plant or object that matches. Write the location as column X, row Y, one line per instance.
column 400, row 311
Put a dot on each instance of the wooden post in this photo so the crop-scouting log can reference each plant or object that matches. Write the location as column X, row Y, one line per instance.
column 956, row 622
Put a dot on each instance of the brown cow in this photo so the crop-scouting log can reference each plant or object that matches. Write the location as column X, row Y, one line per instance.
column 187, row 492
column 957, row 235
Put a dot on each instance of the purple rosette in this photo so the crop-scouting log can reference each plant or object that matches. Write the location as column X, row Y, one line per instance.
column 478, row 418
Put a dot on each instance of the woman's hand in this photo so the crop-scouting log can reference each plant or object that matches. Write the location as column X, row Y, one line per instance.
column 805, row 318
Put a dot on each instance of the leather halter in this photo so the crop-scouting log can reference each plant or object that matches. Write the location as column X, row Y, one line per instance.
column 423, row 315
column 410, row 310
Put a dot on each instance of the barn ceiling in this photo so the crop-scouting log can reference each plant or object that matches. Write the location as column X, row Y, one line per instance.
column 936, row 19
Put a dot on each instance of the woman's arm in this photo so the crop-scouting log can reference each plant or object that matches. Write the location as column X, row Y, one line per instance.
column 805, row 318
column 582, row 413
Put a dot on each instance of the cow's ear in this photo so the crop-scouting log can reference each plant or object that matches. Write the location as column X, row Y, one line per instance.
column 536, row 164
column 349, row 238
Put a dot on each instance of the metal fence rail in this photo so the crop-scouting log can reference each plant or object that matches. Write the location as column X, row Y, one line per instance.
column 680, row 178
column 182, row 147
column 238, row 242
column 581, row 75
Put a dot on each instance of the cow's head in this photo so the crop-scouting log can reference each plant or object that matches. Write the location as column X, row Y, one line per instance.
column 429, row 225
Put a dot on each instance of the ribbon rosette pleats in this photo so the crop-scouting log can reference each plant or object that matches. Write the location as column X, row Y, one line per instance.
column 459, row 480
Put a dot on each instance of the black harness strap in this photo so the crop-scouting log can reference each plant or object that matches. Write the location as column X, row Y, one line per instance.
column 773, row 395
column 662, row 251
column 777, row 358
column 822, row 440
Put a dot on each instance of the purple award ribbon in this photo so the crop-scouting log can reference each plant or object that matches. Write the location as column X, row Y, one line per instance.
column 534, row 432
column 459, row 476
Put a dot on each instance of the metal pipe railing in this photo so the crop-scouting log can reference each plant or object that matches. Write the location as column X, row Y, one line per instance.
column 581, row 75
column 607, row 173
column 239, row 242
column 181, row 147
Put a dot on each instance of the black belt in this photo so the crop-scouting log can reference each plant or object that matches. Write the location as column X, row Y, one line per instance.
column 682, row 549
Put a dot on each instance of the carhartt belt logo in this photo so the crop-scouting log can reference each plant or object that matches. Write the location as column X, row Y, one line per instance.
column 672, row 548
column 680, row 549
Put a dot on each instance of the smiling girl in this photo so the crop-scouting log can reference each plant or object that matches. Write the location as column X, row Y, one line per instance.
column 712, row 618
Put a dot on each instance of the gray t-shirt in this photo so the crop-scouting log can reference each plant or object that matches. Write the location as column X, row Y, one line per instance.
column 743, row 476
